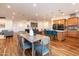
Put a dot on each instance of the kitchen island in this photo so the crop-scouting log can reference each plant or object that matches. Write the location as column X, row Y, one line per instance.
column 60, row 35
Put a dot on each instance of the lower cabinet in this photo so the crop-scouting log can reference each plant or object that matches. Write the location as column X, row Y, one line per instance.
column 77, row 34
column 72, row 33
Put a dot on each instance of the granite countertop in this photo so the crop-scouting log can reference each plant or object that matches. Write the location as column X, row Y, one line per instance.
column 59, row 30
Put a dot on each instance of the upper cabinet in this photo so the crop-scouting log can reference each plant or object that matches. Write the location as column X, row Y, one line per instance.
column 72, row 21
column 62, row 21
column 78, row 22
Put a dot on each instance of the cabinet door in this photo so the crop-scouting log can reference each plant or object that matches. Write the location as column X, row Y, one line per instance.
column 72, row 33
column 72, row 21
column 78, row 29
column 62, row 21
column 77, row 34
column 65, row 33
column 55, row 22
column 78, row 22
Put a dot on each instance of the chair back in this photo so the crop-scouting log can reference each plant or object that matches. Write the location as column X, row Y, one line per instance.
column 21, row 32
column 7, row 33
column 47, row 32
column 54, row 33
column 21, row 41
column 45, row 41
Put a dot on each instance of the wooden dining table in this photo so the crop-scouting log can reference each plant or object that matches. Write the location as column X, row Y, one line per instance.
column 33, row 39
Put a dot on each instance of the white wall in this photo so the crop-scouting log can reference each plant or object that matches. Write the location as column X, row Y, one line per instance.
column 21, row 25
column 44, row 24
column 8, row 24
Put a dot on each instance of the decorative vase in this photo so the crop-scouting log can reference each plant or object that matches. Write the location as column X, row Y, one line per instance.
column 31, row 33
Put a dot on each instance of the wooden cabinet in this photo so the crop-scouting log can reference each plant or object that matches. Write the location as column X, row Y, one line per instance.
column 72, row 34
column 70, row 24
column 72, row 21
column 55, row 21
column 60, row 36
column 78, row 22
column 77, row 34
column 62, row 21
column 65, row 33
column 59, row 24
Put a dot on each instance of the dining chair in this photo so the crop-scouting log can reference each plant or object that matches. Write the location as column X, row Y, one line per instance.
column 44, row 47
column 51, row 33
column 24, row 44
column 54, row 33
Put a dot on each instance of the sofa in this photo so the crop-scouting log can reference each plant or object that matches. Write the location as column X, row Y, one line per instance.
column 7, row 33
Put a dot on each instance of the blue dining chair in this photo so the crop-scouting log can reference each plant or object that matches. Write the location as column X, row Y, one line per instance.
column 47, row 32
column 54, row 33
column 24, row 44
column 44, row 47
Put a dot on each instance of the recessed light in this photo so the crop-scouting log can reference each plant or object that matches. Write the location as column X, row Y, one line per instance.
column 34, row 5
column 8, row 6
column 59, row 22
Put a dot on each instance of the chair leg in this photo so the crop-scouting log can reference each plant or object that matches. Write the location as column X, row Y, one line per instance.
column 49, row 53
column 23, row 52
column 54, row 37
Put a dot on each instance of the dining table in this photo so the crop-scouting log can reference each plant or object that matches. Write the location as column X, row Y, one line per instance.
column 33, row 39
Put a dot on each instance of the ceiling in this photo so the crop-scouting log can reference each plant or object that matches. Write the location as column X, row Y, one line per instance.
column 39, row 11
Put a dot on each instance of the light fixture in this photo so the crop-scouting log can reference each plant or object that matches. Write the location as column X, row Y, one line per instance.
column 59, row 22
column 46, row 23
column 52, row 20
column 34, row 5
column 8, row 6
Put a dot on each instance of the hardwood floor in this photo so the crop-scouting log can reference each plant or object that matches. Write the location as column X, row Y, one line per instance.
column 68, row 47
column 9, row 46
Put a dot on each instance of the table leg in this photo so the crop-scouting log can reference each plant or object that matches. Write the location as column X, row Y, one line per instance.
column 32, row 49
